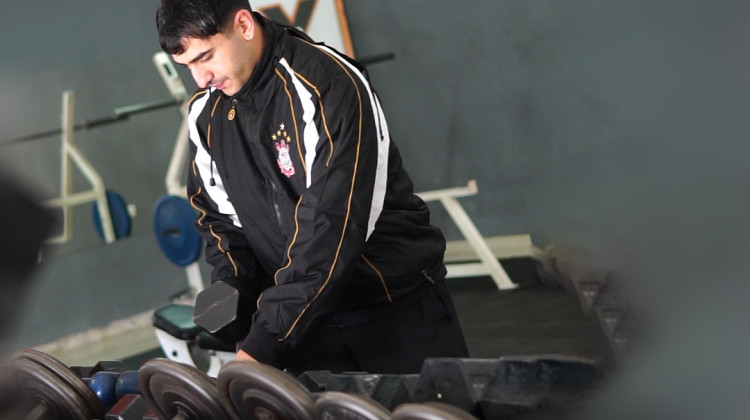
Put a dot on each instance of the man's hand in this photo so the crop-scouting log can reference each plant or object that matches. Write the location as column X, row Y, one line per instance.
column 241, row 355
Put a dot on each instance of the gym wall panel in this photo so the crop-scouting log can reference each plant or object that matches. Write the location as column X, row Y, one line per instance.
column 503, row 91
column 92, row 288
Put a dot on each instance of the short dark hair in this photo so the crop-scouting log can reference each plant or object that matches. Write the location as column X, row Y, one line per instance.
column 180, row 19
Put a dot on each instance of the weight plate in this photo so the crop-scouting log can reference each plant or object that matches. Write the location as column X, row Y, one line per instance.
column 173, row 227
column 339, row 405
column 47, row 393
column 118, row 211
column 66, row 375
column 9, row 394
column 430, row 411
column 252, row 390
column 175, row 389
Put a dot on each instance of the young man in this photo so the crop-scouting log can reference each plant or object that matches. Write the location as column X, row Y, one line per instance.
column 303, row 199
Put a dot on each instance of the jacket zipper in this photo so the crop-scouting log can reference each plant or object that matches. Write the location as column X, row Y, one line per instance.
column 276, row 207
column 233, row 111
column 427, row 276
column 269, row 182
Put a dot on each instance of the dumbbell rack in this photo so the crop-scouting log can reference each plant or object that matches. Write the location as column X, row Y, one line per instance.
column 599, row 294
column 600, row 298
column 38, row 386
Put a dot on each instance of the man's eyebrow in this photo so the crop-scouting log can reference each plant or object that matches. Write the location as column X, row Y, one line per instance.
column 200, row 56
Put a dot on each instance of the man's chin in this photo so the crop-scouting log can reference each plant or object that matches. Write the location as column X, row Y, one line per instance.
column 228, row 91
column 225, row 88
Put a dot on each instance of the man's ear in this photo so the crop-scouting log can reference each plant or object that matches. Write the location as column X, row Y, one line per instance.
column 244, row 24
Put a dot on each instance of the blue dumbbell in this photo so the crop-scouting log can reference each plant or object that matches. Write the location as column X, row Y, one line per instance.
column 104, row 385
column 127, row 383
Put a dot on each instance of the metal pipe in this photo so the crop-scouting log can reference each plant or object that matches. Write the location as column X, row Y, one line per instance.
column 434, row 195
column 119, row 115
column 176, row 169
column 72, row 199
column 70, row 155
column 66, row 174
column 472, row 235
column 195, row 280
column 374, row 59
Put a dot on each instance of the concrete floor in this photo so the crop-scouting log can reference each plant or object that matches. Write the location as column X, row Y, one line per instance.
column 533, row 319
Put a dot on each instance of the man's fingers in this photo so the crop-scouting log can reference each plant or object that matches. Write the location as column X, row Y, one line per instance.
column 242, row 355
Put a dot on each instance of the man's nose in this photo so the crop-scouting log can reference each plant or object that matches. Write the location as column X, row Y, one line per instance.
column 201, row 76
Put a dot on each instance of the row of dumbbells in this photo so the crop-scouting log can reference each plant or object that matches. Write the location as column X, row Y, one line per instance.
column 38, row 386
column 600, row 292
column 599, row 297
column 445, row 389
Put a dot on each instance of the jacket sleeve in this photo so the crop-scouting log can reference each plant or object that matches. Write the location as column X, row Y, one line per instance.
column 331, row 217
column 227, row 249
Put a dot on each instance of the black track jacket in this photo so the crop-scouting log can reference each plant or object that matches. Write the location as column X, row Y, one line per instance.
column 310, row 204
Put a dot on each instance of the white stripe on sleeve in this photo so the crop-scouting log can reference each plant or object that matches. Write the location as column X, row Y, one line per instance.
column 203, row 161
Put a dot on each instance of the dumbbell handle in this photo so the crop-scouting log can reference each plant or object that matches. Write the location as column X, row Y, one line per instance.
column 41, row 411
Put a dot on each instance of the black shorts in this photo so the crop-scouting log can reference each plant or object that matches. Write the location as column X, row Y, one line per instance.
column 395, row 342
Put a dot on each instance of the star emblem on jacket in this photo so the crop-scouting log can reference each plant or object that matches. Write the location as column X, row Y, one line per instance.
column 281, row 139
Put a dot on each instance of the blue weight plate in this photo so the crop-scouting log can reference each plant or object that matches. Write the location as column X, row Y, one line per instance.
column 173, row 227
column 118, row 211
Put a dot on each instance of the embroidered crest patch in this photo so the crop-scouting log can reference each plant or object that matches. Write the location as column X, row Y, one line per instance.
column 281, row 140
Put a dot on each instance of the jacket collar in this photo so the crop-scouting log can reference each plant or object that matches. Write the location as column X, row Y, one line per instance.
column 264, row 70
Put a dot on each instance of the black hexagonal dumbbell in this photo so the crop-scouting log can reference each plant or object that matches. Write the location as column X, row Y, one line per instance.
column 129, row 407
column 224, row 312
column 504, row 387
column 388, row 390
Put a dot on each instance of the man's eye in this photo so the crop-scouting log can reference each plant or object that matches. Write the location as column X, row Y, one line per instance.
column 206, row 58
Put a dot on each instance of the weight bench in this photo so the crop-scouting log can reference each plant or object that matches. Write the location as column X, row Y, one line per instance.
column 185, row 342
column 488, row 264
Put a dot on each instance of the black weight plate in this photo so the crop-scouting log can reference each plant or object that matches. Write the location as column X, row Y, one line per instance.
column 41, row 386
column 173, row 227
column 339, row 405
column 118, row 211
column 65, row 374
column 173, row 388
column 9, row 394
column 430, row 411
column 253, row 390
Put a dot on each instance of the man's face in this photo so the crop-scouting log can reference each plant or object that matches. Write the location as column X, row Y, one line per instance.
column 222, row 61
